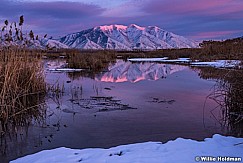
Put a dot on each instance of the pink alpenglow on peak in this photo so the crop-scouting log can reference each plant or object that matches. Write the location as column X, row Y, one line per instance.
column 121, row 37
column 112, row 27
column 120, row 27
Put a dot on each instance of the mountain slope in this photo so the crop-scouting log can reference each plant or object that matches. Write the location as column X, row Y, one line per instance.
column 36, row 44
column 126, row 37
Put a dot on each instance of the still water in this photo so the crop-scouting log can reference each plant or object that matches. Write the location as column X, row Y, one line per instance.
column 128, row 103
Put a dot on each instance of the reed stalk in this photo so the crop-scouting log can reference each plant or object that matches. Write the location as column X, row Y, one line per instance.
column 22, row 87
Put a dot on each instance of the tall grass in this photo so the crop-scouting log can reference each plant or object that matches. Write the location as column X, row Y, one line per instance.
column 233, row 100
column 228, row 94
column 22, row 88
column 93, row 60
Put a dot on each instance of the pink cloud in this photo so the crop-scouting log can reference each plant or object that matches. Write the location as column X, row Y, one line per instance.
column 204, row 7
column 214, row 34
column 127, row 9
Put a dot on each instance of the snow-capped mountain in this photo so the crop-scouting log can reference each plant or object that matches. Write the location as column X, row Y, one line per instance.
column 126, row 37
column 50, row 43
column 133, row 72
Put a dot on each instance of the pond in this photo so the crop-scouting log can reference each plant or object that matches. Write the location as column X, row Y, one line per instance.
column 127, row 103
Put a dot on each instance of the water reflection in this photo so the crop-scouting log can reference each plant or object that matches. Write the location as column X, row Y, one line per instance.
column 116, row 109
column 15, row 133
column 123, row 71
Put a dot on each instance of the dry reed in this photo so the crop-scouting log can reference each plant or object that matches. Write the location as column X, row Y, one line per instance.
column 228, row 94
column 22, row 88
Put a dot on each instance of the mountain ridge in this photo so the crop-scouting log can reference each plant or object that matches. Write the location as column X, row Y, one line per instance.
column 129, row 37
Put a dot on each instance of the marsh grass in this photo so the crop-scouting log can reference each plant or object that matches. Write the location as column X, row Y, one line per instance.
column 232, row 84
column 22, row 88
column 92, row 60
column 228, row 94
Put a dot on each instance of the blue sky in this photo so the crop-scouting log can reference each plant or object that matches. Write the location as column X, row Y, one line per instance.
column 196, row 19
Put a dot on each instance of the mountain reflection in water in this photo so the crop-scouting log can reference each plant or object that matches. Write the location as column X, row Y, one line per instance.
column 123, row 71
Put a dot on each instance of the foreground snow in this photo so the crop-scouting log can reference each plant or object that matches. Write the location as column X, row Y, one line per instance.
column 177, row 151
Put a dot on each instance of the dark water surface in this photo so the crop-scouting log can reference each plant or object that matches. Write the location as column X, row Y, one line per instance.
column 129, row 103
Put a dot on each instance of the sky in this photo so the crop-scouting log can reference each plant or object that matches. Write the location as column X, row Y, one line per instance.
column 195, row 19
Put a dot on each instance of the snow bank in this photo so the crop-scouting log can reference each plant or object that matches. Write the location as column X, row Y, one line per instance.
column 147, row 59
column 217, row 63
column 177, row 151
column 65, row 69
column 164, row 59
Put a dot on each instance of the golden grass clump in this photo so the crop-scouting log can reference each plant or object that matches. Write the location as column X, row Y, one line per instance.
column 22, row 88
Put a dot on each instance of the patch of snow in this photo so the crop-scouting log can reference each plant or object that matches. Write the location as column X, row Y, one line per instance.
column 64, row 69
column 179, row 60
column 219, row 63
column 59, row 66
column 164, row 59
column 177, row 151
column 216, row 64
column 55, row 64
column 147, row 59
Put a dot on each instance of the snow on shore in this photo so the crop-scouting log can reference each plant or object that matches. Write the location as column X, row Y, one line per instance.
column 59, row 66
column 216, row 64
column 147, row 59
column 164, row 59
column 219, row 63
column 218, row 148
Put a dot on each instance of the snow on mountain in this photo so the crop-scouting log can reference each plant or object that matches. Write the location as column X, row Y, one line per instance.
column 126, row 37
column 53, row 44
column 133, row 72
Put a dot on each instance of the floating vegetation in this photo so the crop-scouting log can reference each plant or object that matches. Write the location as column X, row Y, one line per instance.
column 157, row 100
column 101, row 103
